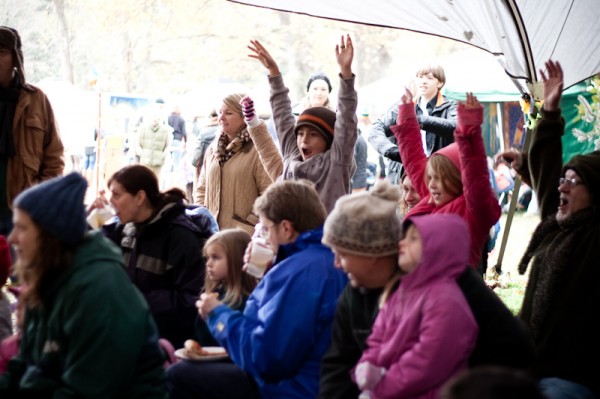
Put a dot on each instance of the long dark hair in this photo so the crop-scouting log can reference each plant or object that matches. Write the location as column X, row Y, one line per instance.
column 134, row 178
column 51, row 258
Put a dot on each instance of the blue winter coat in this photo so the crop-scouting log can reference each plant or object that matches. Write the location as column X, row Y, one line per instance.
column 285, row 328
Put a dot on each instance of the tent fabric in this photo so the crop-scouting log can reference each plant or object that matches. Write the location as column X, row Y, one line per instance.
column 526, row 33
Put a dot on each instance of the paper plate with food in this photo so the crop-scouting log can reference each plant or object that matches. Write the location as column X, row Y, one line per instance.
column 192, row 350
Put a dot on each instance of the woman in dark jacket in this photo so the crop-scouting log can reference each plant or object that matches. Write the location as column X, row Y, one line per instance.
column 162, row 248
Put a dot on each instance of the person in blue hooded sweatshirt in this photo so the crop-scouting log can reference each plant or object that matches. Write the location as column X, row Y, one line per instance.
column 277, row 342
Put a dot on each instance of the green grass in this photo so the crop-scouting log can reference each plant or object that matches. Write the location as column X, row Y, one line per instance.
column 512, row 295
column 511, row 286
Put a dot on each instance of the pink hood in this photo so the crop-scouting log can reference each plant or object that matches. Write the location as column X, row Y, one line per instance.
column 446, row 242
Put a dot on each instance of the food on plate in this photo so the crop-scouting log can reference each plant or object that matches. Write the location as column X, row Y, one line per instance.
column 194, row 348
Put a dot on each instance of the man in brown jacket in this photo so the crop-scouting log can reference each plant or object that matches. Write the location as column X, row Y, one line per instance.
column 30, row 148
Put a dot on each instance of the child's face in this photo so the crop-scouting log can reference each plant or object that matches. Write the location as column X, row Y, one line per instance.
column 318, row 92
column 428, row 85
column 310, row 142
column 439, row 193
column 411, row 250
column 216, row 262
column 356, row 268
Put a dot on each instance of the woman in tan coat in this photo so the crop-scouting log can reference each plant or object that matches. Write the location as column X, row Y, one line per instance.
column 233, row 175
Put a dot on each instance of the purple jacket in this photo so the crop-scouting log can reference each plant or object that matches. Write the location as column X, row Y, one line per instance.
column 425, row 332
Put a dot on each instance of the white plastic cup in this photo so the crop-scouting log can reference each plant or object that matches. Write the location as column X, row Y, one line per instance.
column 99, row 216
column 261, row 255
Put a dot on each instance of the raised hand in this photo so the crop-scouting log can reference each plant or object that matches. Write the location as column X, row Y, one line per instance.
column 513, row 157
column 471, row 101
column 553, row 85
column 344, row 52
column 260, row 53
column 247, row 108
column 407, row 97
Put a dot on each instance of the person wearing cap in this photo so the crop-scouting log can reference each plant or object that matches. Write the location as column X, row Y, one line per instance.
column 30, row 148
column 363, row 231
column 318, row 88
column 435, row 113
column 87, row 331
column 562, row 301
column 319, row 146
column 425, row 332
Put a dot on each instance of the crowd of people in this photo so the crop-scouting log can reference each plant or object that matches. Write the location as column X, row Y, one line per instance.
column 364, row 293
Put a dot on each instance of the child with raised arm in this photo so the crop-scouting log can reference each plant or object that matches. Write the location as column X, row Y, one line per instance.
column 455, row 179
column 426, row 331
column 319, row 146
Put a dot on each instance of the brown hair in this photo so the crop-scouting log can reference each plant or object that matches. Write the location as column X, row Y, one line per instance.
column 51, row 258
column 237, row 284
column 448, row 173
column 294, row 200
column 436, row 70
column 135, row 178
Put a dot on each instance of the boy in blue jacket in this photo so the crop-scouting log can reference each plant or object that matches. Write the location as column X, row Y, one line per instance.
column 277, row 342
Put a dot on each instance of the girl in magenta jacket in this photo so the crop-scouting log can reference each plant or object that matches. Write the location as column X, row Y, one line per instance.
column 455, row 179
column 425, row 332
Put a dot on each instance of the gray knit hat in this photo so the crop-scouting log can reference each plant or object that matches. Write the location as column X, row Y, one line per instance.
column 365, row 223
column 9, row 38
column 57, row 206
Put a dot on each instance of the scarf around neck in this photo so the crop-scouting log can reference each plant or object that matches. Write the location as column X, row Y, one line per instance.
column 227, row 149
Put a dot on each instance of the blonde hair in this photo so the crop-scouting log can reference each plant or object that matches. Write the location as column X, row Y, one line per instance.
column 232, row 102
column 238, row 284
column 448, row 173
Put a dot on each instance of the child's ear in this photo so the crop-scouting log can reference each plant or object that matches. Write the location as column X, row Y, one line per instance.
column 288, row 228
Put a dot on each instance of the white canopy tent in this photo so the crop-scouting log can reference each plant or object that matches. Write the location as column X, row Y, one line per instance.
column 525, row 32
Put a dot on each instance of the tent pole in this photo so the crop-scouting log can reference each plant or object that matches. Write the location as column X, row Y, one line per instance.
column 512, row 208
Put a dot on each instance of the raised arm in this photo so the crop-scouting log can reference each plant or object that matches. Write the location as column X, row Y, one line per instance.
column 408, row 135
column 545, row 154
column 263, row 142
column 481, row 200
column 281, row 105
column 346, row 125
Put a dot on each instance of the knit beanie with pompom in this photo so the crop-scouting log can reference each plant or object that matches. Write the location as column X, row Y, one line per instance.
column 365, row 223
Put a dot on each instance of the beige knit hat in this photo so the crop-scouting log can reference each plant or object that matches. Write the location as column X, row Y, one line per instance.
column 9, row 38
column 365, row 223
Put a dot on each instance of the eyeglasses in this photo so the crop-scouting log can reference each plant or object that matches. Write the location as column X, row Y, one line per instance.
column 569, row 182
column 264, row 229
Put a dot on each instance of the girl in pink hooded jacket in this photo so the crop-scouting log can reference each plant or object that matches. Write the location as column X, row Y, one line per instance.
column 455, row 179
column 425, row 332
